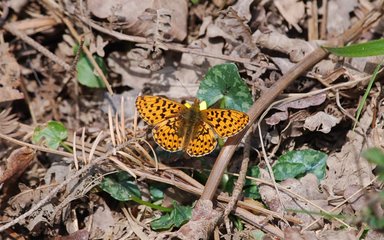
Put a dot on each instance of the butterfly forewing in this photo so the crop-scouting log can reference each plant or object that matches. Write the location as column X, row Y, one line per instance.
column 225, row 122
column 166, row 134
column 156, row 109
column 203, row 141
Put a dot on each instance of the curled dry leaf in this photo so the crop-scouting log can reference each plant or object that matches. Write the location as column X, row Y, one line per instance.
column 147, row 18
column 297, row 49
column 9, row 76
column 303, row 103
column 321, row 122
column 17, row 162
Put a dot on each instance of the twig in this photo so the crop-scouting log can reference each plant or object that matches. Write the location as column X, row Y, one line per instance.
column 240, row 179
column 40, row 48
column 60, row 186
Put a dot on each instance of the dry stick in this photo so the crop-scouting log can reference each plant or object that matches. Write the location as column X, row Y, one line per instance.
column 40, row 48
column 240, row 180
column 268, row 97
column 59, row 187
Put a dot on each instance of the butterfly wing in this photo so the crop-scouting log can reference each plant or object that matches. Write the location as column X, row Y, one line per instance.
column 203, row 142
column 225, row 122
column 166, row 134
column 154, row 109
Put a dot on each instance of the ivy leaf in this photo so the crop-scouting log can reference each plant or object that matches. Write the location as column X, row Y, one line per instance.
column 178, row 216
column 223, row 84
column 297, row 163
column 53, row 132
column 120, row 186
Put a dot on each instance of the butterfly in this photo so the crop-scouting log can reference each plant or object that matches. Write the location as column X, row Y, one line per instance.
column 185, row 127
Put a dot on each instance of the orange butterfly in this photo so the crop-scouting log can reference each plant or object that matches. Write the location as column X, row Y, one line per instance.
column 180, row 127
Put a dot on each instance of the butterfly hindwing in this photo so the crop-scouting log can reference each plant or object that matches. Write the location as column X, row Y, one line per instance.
column 225, row 122
column 166, row 134
column 155, row 109
column 203, row 141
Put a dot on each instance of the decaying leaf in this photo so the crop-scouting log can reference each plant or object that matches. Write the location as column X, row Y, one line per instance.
column 9, row 76
column 348, row 167
column 292, row 10
column 306, row 187
column 297, row 104
column 321, row 121
column 17, row 162
column 137, row 21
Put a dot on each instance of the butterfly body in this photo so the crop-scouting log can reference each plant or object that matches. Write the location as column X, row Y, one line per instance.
column 178, row 127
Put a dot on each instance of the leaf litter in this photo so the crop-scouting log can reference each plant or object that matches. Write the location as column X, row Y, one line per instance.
column 166, row 48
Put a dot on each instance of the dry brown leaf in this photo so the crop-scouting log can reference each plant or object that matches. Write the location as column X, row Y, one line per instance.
column 306, row 187
column 297, row 49
column 9, row 76
column 17, row 162
column 291, row 233
column 321, row 121
column 338, row 16
column 138, row 19
column 103, row 222
column 78, row 235
column 347, row 167
column 292, row 11
column 303, row 103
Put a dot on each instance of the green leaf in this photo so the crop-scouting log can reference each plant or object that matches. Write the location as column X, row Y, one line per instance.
column 157, row 190
column 162, row 223
column 223, row 83
column 54, row 134
column 371, row 48
column 251, row 190
column 86, row 74
column 120, row 186
column 178, row 216
column 297, row 163
column 181, row 214
column 374, row 155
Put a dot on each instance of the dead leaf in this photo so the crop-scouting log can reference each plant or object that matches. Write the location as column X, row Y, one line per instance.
column 297, row 49
column 297, row 104
column 137, row 22
column 291, row 233
column 9, row 76
column 78, row 235
column 17, row 162
column 339, row 19
column 321, row 122
column 306, row 187
column 347, row 167
column 292, row 11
